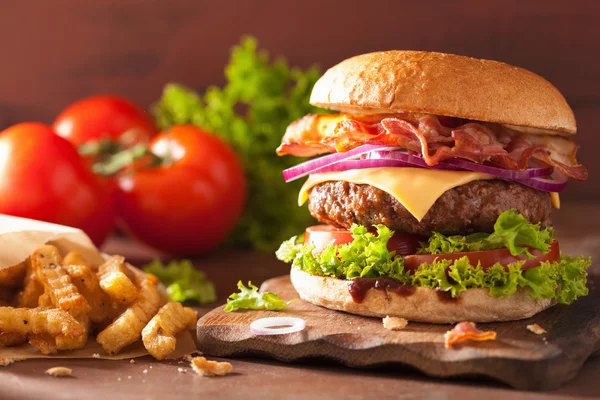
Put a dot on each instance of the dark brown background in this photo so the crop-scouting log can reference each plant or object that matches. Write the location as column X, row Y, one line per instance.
column 55, row 52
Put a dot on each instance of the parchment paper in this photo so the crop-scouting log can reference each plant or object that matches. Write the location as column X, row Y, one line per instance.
column 19, row 238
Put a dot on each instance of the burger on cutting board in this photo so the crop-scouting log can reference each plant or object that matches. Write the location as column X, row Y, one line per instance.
column 435, row 182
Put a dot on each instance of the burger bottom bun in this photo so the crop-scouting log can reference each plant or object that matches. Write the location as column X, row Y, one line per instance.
column 423, row 305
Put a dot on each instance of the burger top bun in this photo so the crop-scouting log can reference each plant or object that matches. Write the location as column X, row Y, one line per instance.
column 424, row 305
column 445, row 84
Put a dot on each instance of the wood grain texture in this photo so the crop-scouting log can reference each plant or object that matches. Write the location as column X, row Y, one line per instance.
column 56, row 52
column 518, row 357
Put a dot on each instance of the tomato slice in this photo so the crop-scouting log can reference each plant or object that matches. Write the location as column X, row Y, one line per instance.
column 487, row 258
column 406, row 245
column 322, row 235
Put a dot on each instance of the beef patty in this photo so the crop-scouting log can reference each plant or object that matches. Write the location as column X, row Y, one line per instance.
column 473, row 207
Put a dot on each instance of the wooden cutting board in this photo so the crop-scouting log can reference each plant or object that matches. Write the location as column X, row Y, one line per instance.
column 518, row 357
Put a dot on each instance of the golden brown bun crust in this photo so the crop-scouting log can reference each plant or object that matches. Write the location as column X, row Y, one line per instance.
column 444, row 84
column 424, row 305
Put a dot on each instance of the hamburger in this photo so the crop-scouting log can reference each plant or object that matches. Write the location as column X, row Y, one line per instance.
column 434, row 180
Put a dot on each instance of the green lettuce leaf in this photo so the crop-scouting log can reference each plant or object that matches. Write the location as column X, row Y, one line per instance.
column 250, row 299
column 365, row 257
column 511, row 231
column 368, row 256
column 184, row 283
column 289, row 248
column 251, row 112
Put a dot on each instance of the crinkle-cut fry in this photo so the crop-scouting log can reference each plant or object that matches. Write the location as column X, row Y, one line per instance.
column 45, row 301
column 8, row 339
column 128, row 326
column 116, row 280
column 57, row 282
column 159, row 335
column 74, row 258
column 64, row 342
column 44, row 342
column 204, row 367
column 13, row 277
column 28, row 321
column 88, row 284
column 32, row 289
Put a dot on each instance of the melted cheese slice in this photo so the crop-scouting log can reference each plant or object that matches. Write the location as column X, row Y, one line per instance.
column 415, row 188
column 555, row 199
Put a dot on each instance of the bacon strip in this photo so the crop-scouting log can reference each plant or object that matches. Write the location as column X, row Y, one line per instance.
column 466, row 331
column 435, row 138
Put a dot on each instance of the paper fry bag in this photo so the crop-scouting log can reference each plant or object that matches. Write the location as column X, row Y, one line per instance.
column 19, row 238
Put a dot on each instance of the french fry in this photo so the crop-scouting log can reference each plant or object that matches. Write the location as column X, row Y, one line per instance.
column 28, row 321
column 12, row 277
column 44, row 342
column 64, row 342
column 116, row 280
column 45, row 301
column 204, row 367
column 88, row 285
column 8, row 339
column 57, row 282
column 32, row 289
column 128, row 326
column 74, row 258
column 159, row 335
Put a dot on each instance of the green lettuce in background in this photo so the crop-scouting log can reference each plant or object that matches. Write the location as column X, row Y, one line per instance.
column 251, row 112
column 183, row 282
column 368, row 257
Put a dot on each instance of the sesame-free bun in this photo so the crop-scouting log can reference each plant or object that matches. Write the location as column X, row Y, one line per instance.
column 423, row 305
column 444, row 84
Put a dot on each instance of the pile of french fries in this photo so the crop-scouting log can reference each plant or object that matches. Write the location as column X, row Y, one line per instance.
column 56, row 303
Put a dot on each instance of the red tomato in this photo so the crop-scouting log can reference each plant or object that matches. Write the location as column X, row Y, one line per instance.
column 42, row 177
column 104, row 117
column 322, row 235
column 188, row 205
column 487, row 258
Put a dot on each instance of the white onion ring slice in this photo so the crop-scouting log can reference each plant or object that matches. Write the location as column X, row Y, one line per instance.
column 265, row 326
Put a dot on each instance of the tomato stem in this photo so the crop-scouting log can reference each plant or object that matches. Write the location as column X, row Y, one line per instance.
column 100, row 148
column 125, row 158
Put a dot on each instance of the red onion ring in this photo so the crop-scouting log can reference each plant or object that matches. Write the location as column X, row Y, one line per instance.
column 458, row 164
column 268, row 326
column 361, row 164
column 556, row 183
column 373, row 156
column 308, row 167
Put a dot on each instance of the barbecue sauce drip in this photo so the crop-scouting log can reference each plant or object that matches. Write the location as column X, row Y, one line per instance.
column 445, row 296
column 359, row 287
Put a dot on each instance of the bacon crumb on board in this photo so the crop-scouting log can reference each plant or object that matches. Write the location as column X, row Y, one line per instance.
column 204, row 367
column 535, row 328
column 466, row 331
column 394, row 323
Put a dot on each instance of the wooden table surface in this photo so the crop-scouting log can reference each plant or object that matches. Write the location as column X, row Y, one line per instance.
column 576, row 227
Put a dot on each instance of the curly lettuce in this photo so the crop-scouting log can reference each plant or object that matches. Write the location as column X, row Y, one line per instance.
column 184, row 283
column 249, row 298
column 368, row 257
column 511, row 231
